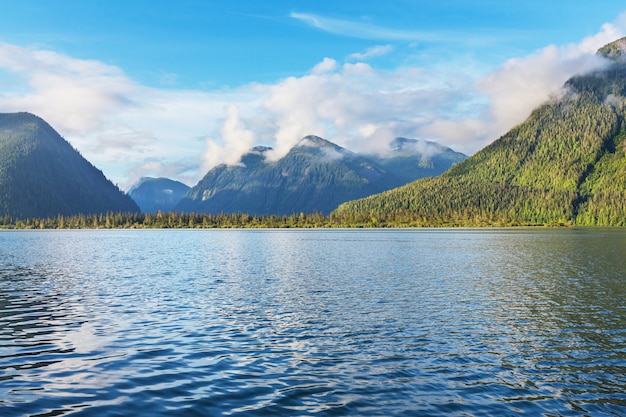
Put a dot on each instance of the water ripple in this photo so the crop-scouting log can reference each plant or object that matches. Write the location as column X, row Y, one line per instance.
column 166, row 323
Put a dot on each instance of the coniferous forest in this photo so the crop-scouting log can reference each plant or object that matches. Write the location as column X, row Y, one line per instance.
column 176, row 220
column 564, row 166
column 42, row 175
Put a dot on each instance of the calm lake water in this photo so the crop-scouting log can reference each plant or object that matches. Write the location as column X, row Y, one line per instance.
column 303, row 322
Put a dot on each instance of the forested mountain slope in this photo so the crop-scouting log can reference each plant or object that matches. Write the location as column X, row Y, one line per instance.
column 410, row 159
column 41, row 175
column 566, row 164
column 315, row 176
column 157, row 194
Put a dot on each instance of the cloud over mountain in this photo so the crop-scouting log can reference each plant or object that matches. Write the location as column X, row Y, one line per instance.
column 130, row 130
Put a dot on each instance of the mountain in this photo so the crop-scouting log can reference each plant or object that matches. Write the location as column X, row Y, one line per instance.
column 41, row 175
column 157, row 194
column 566, row 164
column 615, row 51
column 410, row 159
column 315, row 176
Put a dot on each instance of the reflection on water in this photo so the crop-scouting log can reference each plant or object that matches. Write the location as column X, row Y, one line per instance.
column 330, row 322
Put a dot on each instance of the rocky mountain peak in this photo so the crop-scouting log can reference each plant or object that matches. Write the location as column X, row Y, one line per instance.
column 615, row 51
column 314, row 141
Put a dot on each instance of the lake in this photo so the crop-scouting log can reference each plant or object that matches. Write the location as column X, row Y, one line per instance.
column 484, row 322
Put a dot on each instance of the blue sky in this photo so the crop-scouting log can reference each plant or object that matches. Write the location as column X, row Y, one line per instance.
column 167, row 88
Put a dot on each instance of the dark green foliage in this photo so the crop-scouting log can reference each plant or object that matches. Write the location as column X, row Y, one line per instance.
column 175, row 220
column 315, row 176
column 42, row 175
column 158, row 194
column 565, row 165
column 304, row 180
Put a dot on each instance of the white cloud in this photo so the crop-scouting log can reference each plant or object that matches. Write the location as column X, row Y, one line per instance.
column 236, row 140
column 360, row 107
column 327, row 65
column 518, row 87
column 75, row 93
column 372, row 52
column 358, row 29
column 365, row 30
column 122, row 127
column 129, row 130
column 620, row 22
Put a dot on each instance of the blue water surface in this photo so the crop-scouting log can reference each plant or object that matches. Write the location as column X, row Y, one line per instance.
column 428, row 322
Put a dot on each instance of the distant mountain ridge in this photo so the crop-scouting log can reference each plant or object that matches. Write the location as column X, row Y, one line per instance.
column 315, row 176
column 566, row 164
column 615, row 51
column 410, row 159
column 41, row 175
column 158, row 194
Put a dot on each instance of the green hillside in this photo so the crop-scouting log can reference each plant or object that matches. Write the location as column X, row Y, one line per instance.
column 315, row 176
column 565, row 164
column 41, row 175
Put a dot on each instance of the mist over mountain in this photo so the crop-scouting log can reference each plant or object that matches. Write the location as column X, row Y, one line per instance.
column 315, row 176
column 410, row 159
column 157, row 194
column 566, row 164
column 41, row 175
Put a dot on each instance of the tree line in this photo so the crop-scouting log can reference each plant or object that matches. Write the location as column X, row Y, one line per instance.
column 173, row 220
